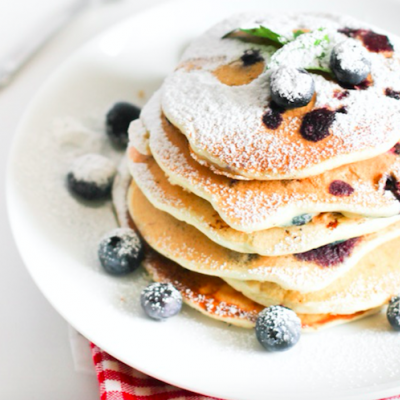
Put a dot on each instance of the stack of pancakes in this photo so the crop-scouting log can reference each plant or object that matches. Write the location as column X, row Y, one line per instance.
column 239, row 215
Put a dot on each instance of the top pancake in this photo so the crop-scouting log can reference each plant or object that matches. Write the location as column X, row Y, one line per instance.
column 218, row 103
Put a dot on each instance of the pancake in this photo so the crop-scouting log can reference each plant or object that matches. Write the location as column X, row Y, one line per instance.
column 219, row 103
column 248, row 206
column 191, row 249
column 374, row 280
column 211, row 296
column 185, row 206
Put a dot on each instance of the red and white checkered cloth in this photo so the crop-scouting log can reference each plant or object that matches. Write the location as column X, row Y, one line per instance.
column 119, row 382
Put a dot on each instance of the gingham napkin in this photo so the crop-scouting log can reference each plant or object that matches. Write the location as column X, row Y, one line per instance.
column 119, row 382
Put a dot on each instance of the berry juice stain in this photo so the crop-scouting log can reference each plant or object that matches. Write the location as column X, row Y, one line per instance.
column 341, row 94
column 395, row 149
column 329, row 255
column 373, row 41
column 364, row 85
column 389, row 92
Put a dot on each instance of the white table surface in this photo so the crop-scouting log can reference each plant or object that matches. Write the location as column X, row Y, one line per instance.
column 35, row 356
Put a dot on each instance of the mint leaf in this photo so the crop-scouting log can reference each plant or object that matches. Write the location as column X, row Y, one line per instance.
column 229, row 34
column 266, row 33
column 324, row 39
column 298, row 33
column 316, row 68
column 262, row 32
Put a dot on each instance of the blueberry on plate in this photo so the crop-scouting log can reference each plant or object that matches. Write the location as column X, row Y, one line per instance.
column 278, row 328
column 161, row 300
column 117, row 122
column 393, row 312
column 91, row 177
column 120, row 251
column 349, row 62
column 291, row 87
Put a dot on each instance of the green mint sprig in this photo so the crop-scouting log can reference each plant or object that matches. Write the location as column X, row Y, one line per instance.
column 260, row 31
column 280, row 41
column 316, row 68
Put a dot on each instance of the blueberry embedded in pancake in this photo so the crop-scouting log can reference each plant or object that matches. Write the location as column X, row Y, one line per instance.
column 302, row 219
column 242, row 71
column 340, row 188
column 316, row 124
column 251, row 57
column 392, row 185
column 331, row 254
column 273, row 117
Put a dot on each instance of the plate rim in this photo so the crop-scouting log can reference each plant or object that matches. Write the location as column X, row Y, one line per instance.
column 385, row 390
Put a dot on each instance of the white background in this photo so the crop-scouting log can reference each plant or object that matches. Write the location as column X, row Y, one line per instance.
column 35, row 356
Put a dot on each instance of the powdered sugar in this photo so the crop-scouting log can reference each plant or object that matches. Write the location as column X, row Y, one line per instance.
column 224, row 124
column 332, row 359
column 94, row 168
column 309, row 50
column 291, row 84
column 129, row 243
column 352, row 56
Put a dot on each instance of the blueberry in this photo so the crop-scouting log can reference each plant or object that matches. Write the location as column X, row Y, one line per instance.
column 161, row 300
column 302, row 219
column 393, row 312
column 91, row 176
column 291, row 87
column 340, row 188
column 251, row 57
column 393, row 185
column 349, row 62
column 316, row 124
column 278, row 328
column 117, row 122
column 331, row 254
column 120, row 251
column 272, row 119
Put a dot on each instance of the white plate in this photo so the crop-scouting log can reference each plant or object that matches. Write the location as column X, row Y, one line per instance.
column 57, row 236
